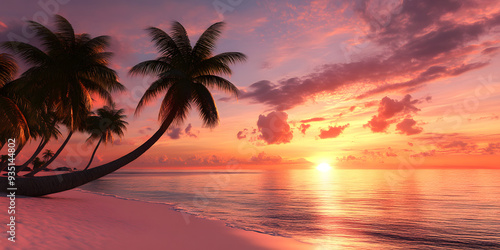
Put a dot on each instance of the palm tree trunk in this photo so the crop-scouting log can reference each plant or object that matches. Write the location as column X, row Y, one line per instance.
column 35, row 171
column 92, row 157
column 37, row 151
column 44, row 185
column 3, row 165
column 18, row 150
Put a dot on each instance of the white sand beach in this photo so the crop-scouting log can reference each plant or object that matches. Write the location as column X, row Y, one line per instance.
column 82, row 220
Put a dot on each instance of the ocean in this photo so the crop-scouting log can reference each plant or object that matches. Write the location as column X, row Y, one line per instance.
column 336, row 209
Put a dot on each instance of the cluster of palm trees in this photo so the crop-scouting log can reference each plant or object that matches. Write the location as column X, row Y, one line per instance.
column 69, row 69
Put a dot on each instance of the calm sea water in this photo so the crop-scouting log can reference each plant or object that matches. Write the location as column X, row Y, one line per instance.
column 339, row 209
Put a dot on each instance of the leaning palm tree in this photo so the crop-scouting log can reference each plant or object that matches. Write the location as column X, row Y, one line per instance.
column 107, row 122
column 184, row 75
column 65, row 75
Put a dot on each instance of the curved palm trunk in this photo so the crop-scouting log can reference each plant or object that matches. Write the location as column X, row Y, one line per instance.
column 18, row 150
column 37, row 151
column 3, row 165
column 43, row 185
column 93, row 154
column 35, row 171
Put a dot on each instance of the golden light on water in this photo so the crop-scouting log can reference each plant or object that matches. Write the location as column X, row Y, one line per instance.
column 324, row 167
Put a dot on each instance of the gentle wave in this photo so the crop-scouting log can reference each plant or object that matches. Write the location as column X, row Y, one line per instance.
column 183, row 210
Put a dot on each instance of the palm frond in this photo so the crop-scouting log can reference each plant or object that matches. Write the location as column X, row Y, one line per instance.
column 218, row 83
column 153, row 67
column 65, row 29
column 14, row 123
column 48, row 38
column 8, row 68
column 164, row 43
column 176, row 103
column 104, row 76
column 206, row 105
column 97, row 44
column 154, row 89
column 27, row 52
column 230, row 57
column 206, row 43
column 97, row 88
column 180, row 37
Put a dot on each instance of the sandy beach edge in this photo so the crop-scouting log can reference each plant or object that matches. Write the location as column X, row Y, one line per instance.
column 83, row 220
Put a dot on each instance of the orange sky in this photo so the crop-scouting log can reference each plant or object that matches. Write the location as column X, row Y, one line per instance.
column 371, row 84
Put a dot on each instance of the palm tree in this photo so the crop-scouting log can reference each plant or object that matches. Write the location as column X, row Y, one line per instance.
column 37, row 163
column 14, row 123
column 64, row 77
column 184, row 75
column 108, row 122
column 47, row 154
column 45, row 128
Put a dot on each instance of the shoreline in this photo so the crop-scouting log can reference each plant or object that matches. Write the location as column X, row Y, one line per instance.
column 185, row 213
column 86, row 220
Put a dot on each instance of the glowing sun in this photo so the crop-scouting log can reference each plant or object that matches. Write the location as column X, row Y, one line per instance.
column 324, row 167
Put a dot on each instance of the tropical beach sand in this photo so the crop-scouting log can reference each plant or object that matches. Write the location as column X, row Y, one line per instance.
column 80, row 220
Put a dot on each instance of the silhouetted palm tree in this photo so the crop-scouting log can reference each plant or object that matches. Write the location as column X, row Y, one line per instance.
column 47, row 154
column 64, row 76
column 107, row 122
column 184, row 75
column 37, row 163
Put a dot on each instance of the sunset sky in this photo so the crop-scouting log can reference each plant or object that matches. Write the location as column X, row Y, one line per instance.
column 356, row 84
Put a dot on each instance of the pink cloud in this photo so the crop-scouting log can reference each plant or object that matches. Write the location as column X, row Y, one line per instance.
column 315, row 119
column 332, row 132
column 377, row 124
column 174, row 133
column 188, row 131
column 177, row 133
column 211, row 160
column 3, row 26
column 242, row 134
column 274, row 128
column 417, row 48
column 348, row 158
column 457, row 146
column 408, row 127
column 425, row 154
column 388, row 112
column 264, row 158
column 390, row 154
column 304, row 127
column 493, row 148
